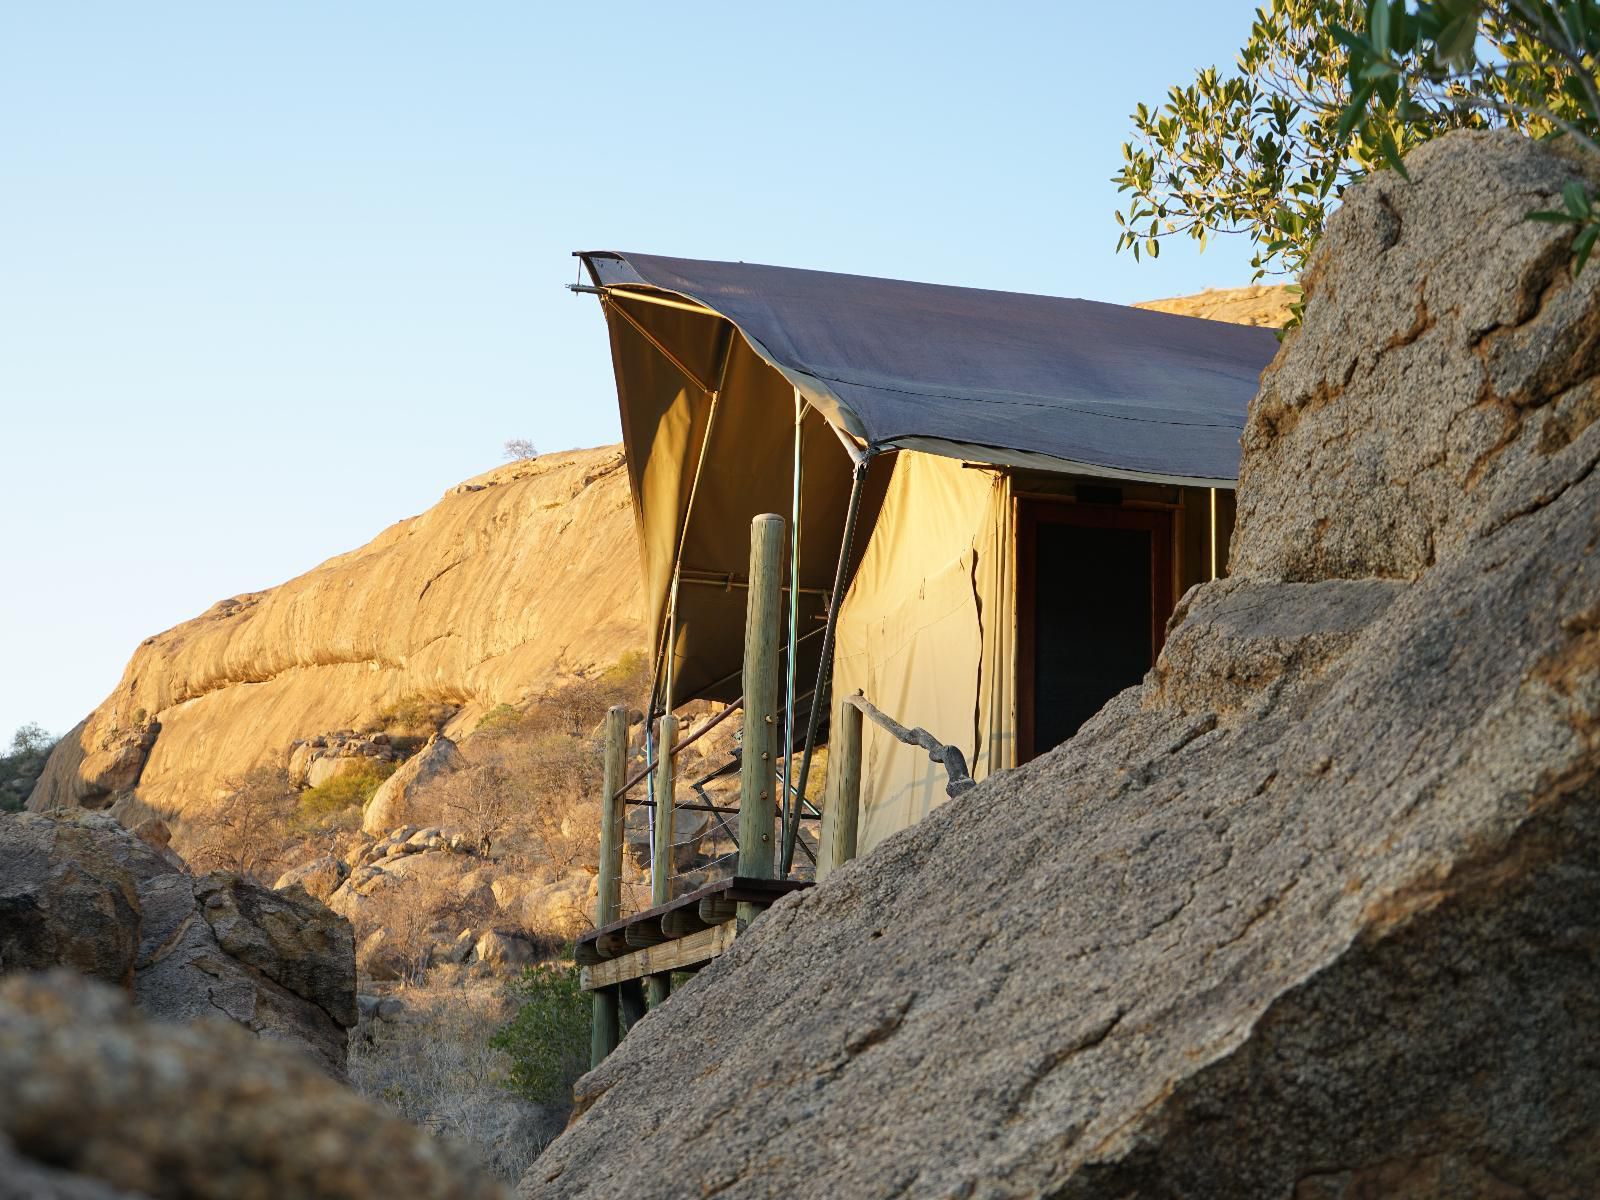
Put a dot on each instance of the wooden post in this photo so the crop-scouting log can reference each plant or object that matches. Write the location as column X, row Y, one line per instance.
column 758, row 753
column 603, row 1035
column 661, row 873
column 841, row 817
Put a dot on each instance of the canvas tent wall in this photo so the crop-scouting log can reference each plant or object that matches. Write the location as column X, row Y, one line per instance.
column 719, row 364
column 930, row 627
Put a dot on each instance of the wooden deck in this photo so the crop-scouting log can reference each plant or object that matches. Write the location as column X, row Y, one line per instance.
column 681, row 935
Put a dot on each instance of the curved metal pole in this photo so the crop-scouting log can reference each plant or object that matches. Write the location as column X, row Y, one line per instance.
column 858, row 474
column 661, row 686
column 790, row 801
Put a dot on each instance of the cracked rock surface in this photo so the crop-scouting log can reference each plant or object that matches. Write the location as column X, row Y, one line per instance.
column 80, row 890
column 1314, row 911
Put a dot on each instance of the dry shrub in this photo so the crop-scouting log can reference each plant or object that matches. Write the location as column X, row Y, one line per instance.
column 436, row 1067
column 413, row 719
column 546, row 785
column 483, row 802
column 536, row 773
column 414, row 912
column 248, row 830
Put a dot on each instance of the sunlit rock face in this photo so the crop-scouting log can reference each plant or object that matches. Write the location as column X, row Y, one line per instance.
column 1264, row 304
column 510, row 582
column 1312, row 912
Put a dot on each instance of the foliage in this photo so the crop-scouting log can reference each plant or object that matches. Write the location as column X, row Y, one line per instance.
column 1269, row 151
column 31, row 739
column 520, row 450
column 345, row 792
column 1528, row 65
column 502, row 718
column 548, row 1039
column 1263, row 152
column 30, row 747
column 415, row 712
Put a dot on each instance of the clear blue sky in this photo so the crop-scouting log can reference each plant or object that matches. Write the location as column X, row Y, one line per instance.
column 275, row 276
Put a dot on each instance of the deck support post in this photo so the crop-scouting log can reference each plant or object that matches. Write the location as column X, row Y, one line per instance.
column 631, row 1000
column 604, row 1032
column 841, row 816
column 661, row 861
column 758, row 752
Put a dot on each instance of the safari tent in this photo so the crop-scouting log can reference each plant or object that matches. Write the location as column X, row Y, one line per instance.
column 1008, row 491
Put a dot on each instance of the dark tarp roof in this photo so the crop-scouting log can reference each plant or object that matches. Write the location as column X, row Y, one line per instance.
column 950, row 369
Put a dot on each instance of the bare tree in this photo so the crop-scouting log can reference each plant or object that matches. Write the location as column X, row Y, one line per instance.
column 521, row 450
column 30, row 739
column 246, row 832
column 482, row 801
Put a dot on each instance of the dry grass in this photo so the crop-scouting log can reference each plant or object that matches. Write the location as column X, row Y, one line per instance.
column 435, row 1067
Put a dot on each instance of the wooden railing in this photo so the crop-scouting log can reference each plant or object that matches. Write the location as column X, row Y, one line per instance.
column 628, row 961
column 620, row 992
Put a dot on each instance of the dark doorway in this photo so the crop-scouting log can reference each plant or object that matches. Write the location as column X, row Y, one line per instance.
column 1094, row 590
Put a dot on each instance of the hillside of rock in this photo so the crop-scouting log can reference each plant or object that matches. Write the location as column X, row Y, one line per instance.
column 1259, row 304
column 512, row 581
column 1315, row 910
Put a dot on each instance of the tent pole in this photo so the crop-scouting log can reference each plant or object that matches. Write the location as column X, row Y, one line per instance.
column 825, row 664
column 662, row 686
column 669, row 672
column 1213, row 532
column 650, row 798
column 791, row 666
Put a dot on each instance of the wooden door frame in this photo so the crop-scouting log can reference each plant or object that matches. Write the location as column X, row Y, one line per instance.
column 1030, row 514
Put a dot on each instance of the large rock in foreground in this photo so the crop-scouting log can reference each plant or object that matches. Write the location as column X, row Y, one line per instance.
column 82, row 891
column 100, row 1104
column 1315, row 911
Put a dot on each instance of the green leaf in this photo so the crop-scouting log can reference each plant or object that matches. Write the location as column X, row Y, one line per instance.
column 1575, row 198
column 1350, row 41
column 1391, row 152
column 1455, row 43
column 1581, row 246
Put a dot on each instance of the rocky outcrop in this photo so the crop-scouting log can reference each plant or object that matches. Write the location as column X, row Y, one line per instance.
column 396, row 802
column 439, row 901
column 1259, row 304
column 319, row 760
column 459, row 605
column 83, row 892
column 320, row 877
column 1315, row 910
column 101, row 1104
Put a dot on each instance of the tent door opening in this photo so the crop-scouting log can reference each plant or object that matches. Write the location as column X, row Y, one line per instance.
column 1094, row 591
